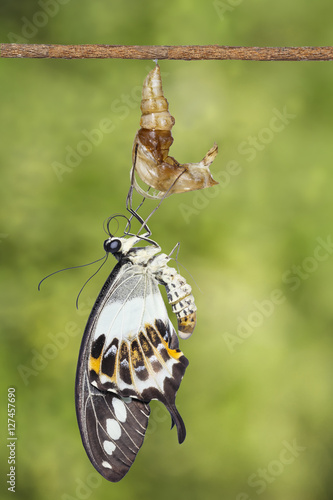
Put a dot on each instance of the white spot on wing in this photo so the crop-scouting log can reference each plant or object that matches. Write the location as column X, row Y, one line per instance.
column 103, row 380
column 106, row 465
column 109, row 447
column 113, row 428
column 119, row 409
column 112, row 350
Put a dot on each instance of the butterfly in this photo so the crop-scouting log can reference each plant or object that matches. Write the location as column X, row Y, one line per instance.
column 130, row 354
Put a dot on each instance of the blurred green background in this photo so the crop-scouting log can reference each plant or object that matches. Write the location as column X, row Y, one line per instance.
column 257, row 396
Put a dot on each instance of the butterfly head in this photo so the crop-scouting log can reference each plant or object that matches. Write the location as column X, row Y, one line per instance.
column 113, row 245
column 120, row 247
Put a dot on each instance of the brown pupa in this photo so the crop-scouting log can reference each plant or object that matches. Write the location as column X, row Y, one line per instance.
column 151, row 146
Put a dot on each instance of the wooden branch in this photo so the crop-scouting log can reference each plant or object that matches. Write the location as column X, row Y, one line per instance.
column 184, row 52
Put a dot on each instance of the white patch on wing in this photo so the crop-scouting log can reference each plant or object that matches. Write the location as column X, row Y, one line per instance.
column 124, row 363
column 112, row 350
column 119, row 410
column 109, row 317
column 109, row 447
column 113, row 428
column 155, row 308
column 106, row 465
column 124, row 315
column 103, row 380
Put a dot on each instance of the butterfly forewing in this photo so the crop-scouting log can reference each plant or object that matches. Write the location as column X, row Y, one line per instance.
column 134, row 349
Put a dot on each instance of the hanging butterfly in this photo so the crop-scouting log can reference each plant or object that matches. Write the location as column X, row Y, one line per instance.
column 150, row 156
column 130, row 354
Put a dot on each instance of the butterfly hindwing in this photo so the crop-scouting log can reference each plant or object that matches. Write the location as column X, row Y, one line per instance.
column 112, row 429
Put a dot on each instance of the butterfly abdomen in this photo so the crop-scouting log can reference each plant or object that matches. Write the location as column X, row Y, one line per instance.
column 182, row 304
column 179, row 294
column 180, row 297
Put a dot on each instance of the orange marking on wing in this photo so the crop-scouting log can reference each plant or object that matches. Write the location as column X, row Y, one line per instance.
column 174, row 353
column 95, row 364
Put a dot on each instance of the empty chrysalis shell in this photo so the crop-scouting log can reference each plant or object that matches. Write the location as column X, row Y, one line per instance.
column 152, row 142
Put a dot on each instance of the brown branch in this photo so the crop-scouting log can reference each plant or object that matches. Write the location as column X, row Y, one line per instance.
column 185, row 52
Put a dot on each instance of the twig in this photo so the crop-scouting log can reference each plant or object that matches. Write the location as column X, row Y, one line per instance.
column 185, row 52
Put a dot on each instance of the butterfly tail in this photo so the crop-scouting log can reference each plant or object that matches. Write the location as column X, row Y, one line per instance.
column 177, row 419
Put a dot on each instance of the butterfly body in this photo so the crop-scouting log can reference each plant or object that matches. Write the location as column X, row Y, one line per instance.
column 130, row 355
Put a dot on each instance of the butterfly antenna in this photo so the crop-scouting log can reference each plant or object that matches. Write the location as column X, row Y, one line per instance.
column 100, row 267
column 127, row 231
column 67, row 269
column 107, row 222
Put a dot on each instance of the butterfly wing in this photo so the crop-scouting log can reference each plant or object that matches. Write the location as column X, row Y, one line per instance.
column 112, row 429
column 129, row 350
column 134, row 347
